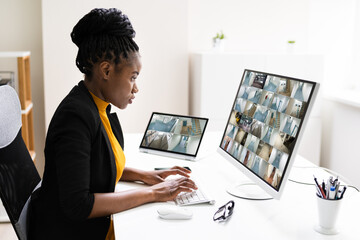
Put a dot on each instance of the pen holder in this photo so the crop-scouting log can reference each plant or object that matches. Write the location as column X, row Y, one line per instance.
column 328, row 210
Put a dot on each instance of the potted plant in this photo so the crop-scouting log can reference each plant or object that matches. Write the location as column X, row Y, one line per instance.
column 290, row 46
column 218, row 41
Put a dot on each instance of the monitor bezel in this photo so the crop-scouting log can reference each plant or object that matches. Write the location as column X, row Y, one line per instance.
column 275, row 193
column 169, row 153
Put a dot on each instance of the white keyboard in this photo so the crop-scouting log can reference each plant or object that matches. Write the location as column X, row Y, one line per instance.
column 190, row 198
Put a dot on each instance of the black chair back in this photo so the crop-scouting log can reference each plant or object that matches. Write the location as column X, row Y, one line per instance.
column 18, row 175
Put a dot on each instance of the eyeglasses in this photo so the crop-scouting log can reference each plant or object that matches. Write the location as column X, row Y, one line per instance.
column 224, row 212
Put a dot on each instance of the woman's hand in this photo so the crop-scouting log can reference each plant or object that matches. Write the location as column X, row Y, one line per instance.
column 158, row 176
column 168, row 190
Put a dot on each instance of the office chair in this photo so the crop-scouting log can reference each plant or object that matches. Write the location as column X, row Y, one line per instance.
column 18, row 175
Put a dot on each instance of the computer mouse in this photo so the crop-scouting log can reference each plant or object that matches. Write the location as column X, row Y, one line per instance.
column 174, row 212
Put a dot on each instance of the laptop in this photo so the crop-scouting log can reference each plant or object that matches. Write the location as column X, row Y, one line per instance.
column 173, row 135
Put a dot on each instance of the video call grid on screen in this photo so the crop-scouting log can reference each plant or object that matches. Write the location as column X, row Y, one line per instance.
column 264, row 122
column 174, row 133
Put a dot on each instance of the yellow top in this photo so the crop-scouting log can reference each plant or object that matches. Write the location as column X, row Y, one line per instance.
column 115, row 145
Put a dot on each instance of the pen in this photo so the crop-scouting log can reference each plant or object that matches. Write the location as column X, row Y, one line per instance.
column 332, row 192
column 342, row 193
column 318, row 192
column 337, row 189
column 338, row 195
column 328, row 188
column 319, row 188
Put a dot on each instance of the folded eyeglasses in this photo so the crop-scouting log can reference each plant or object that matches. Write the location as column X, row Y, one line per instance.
column 224, row 212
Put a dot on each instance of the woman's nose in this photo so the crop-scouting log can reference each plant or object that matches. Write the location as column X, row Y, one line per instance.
column 135, row 89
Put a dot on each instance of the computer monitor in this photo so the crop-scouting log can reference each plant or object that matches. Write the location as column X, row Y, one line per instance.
column 264, row 129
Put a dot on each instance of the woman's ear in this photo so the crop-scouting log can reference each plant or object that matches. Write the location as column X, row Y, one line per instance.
column 105, row 67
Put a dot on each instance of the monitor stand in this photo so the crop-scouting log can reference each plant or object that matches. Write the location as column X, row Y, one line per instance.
column 248, row 190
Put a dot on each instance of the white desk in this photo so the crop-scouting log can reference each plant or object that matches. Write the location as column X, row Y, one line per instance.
column 292, row 217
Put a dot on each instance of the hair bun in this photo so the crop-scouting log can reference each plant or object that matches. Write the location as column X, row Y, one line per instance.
column 102, row 22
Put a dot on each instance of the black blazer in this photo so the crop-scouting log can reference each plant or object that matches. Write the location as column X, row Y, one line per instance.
column 79, row 162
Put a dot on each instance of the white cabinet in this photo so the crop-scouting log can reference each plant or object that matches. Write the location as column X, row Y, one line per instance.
column 215, row 78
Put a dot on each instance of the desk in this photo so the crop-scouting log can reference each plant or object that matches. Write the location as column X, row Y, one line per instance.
column 291, row 217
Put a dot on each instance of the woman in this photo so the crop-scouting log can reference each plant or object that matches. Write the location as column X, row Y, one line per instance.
column 84, row 146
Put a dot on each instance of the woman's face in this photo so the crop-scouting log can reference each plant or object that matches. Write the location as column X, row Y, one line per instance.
column 120, row 87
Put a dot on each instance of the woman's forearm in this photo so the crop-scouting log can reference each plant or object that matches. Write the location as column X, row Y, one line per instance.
column 132, row 174
column 106, row 204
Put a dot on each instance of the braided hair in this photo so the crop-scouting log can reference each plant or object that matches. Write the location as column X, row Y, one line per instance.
column 103, row 34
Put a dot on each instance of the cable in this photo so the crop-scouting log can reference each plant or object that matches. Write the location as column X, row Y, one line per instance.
column 303, row 183
column 329, row 171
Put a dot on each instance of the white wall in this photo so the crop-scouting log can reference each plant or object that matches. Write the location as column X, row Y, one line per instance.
column 255, row 26
column 328, row 27
column 332, row 32
column 20, row 24
column 161, row 28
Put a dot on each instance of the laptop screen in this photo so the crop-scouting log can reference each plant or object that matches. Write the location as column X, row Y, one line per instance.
column 174, row 134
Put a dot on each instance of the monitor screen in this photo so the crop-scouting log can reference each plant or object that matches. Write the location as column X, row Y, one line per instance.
column 264, row 126
column 169, row 133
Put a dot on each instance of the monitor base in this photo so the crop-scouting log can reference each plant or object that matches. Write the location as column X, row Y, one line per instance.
column 248, row 190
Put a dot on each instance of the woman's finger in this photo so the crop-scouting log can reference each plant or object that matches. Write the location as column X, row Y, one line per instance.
column 181, row 169
column 169, row 172
column 188, row 183
column 181, row 189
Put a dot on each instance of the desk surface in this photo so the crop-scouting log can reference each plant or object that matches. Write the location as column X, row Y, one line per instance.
column 292, row 217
